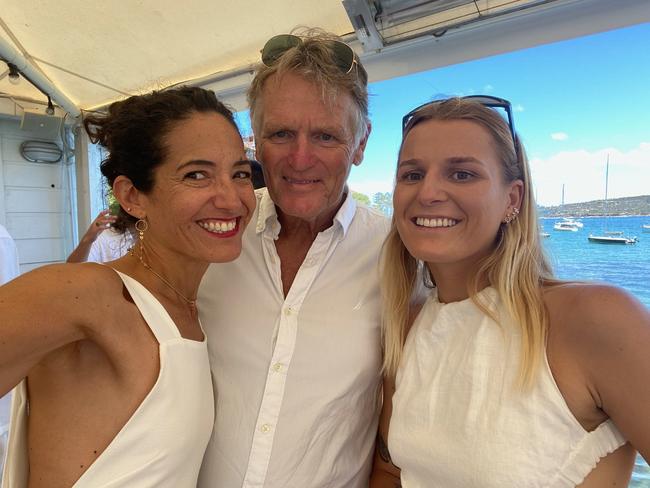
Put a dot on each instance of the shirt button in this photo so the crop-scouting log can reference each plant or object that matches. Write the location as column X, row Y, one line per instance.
column 277, row 367
column 310, row 262
column 265, row 428
column 288, row 311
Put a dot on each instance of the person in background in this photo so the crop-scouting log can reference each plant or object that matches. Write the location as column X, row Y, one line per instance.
column 9, row 266
column 293, row 325
column 507, row 377
column 9, row 269
column 111, row 361
column 103, row 241
column 258, row 175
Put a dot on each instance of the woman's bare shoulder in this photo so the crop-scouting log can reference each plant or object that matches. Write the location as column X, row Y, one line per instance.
column 605, row 333
column 595, row 320
column 74, row 285
column 592, row 303
column 81, row 276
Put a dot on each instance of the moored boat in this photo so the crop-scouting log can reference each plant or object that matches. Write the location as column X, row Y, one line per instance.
column 565, row 226
column 610, row 236
column 612, row 239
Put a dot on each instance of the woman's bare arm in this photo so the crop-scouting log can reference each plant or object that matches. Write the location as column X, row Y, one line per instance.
column 40, row 312
column 384, row 473
column 610, row 340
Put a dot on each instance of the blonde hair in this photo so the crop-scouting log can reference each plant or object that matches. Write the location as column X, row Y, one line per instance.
column 517, row 268
column 314, row 60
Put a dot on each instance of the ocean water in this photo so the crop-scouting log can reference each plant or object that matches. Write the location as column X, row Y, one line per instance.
column 627, row 266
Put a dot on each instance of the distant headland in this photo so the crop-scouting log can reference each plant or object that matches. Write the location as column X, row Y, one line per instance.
column 596, row 208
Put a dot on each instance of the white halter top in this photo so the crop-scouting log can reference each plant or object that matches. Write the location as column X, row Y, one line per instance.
column 460, row 422
column 163, row 442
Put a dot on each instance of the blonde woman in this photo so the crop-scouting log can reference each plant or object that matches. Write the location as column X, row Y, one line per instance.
column 505, row 376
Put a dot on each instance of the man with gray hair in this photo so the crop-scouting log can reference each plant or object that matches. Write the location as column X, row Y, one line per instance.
column 293, row 325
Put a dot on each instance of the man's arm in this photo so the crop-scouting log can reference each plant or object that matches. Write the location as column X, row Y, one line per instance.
column 102, row 222
column 384, row 473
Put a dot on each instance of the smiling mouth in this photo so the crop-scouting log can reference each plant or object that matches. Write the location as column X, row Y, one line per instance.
column 295, row 181
column 219, row 226
column 435, row 222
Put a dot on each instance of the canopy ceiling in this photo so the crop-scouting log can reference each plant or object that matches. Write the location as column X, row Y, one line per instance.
column 93, row 53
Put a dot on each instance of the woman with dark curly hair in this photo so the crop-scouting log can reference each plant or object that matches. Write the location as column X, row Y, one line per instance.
column 111, row 362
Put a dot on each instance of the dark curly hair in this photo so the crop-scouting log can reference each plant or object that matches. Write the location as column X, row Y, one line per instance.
column 133, row 131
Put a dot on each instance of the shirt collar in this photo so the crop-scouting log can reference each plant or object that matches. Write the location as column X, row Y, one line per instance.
column 267, row 217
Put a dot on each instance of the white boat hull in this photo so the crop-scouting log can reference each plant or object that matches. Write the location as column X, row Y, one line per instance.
column 565, row 228
column 612, row 240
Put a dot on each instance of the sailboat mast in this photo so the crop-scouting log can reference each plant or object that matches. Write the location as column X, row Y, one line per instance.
column 606, row 177
column 606, row 188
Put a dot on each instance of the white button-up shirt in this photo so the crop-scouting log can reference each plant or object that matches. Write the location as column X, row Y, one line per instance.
column 296, row 379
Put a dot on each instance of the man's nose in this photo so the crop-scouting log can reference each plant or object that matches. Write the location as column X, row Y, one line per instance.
column 301, row 153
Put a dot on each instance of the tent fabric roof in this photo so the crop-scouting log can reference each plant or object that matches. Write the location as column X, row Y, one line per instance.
column 94, row 53
column 97, row 52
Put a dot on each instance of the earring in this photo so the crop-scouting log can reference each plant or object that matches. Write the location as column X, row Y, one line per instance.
column 141, row 226
column 511, row 216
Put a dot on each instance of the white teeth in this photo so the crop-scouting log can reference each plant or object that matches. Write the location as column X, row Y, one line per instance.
column 219, row 227
column 300, row 182
column 437, row 222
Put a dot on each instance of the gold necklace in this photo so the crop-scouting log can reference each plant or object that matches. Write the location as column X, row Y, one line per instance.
column 190, row 302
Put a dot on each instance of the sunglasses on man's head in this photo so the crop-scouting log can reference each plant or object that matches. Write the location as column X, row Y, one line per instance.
column 485, row 100
column 278, row 45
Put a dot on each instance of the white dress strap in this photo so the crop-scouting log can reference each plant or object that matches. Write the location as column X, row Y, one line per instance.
column 600, row 442
column 159, row 321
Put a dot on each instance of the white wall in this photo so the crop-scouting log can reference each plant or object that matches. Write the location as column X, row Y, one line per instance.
column 35, row 199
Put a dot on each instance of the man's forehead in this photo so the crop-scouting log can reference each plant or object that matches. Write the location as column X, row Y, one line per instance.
column 276, row 118
column 292, row 102
column 294, row 88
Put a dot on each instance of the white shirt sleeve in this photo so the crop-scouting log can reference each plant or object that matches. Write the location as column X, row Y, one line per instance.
column 109, row 245
column 9, row 268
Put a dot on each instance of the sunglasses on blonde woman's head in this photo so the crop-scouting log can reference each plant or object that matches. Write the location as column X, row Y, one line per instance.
column 485, row 100
column 278, row 45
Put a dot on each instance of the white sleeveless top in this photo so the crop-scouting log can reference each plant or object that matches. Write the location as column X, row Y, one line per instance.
column 162, row 444
column 459, row 420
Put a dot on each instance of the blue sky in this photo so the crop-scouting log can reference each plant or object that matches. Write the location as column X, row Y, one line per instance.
column 576, row 103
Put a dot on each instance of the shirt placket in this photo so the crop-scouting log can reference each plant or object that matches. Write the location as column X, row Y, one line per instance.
column 283, row 349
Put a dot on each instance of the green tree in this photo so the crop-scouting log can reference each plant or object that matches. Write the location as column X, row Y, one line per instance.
column 361, row 198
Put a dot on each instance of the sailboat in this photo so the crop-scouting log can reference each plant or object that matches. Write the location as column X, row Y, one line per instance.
column 567, row 223
column 610, row 237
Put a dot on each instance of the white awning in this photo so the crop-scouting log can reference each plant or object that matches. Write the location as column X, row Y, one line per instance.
column 86, row 55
